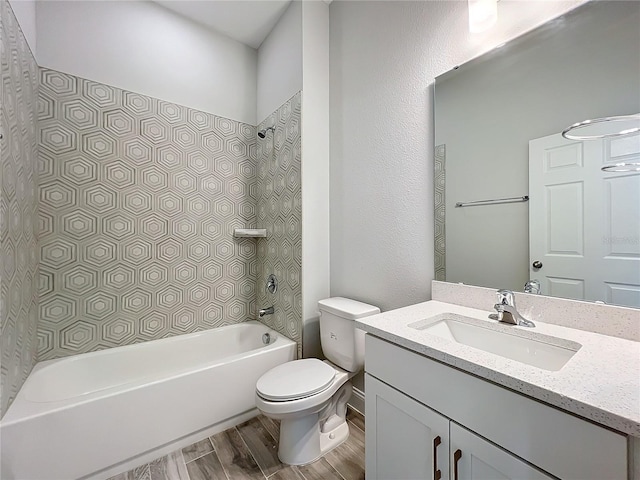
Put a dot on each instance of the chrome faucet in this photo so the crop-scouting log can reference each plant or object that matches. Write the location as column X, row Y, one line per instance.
column 265, row 311
column 507, row 312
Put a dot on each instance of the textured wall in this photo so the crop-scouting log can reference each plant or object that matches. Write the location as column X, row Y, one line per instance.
column 143, row 47
column 279, row 210
column 18, row 208
column 384, row 57
column 315, row 170
column 138, row 202
column 279, row 65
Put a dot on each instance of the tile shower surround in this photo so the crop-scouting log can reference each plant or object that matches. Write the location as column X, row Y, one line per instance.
column 138, row 201
column 18, row 207
column 440, row 213
column 279, row 201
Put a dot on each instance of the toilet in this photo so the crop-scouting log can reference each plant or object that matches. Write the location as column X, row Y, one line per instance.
column 310, row 396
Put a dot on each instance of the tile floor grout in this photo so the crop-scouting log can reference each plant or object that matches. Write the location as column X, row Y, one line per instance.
column 251, row 453
column 224, row 470
column 275, row 439
column 214, row 451
column 333, row 462
column 203, row 455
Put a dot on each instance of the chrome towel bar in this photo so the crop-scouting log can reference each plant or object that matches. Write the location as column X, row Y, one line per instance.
column 494, row 201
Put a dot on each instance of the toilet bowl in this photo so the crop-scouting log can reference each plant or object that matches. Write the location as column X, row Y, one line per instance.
column 310, row 396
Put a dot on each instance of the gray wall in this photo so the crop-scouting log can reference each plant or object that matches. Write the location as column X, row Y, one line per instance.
column 380, row 176
column 18, row 208
column 487, row 112
column 384, row 57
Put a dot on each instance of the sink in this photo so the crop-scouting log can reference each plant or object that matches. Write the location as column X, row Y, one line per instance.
column 537, row 350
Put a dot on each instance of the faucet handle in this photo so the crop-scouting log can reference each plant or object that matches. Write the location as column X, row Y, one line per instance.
column 532, row 286
column 506, row 297
column 499, row 308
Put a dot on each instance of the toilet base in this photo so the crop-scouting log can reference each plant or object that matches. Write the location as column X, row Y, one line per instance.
column 302, row 442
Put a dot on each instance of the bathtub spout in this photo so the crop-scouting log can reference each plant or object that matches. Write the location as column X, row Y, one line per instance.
column 265, row 311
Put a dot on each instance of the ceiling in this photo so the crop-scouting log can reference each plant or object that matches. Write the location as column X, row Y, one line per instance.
column 247, row 21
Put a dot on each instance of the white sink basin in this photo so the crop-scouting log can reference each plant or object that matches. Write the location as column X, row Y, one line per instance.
column 537, row 350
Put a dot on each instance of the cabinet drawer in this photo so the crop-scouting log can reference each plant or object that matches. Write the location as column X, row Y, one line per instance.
column 557, row 442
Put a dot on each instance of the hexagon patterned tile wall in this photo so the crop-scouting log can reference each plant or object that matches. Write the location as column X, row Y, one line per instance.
column 280, row 212
column 18, row 208
column 139, row 199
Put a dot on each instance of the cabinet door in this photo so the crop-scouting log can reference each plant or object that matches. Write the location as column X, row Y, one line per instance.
column 473, row 458
column 402, row 436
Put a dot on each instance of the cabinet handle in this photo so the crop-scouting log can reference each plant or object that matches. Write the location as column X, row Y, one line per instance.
column 456, row 457
column 437, row 474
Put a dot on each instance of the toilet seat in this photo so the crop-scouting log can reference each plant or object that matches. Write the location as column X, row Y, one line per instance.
column 295, row 380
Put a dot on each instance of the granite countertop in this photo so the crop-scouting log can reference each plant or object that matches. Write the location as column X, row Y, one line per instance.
column 601, row 382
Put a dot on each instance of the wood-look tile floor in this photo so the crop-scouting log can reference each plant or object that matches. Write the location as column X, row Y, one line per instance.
column 250, row 452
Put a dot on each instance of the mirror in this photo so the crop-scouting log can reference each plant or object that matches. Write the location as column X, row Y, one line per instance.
column 559, row 218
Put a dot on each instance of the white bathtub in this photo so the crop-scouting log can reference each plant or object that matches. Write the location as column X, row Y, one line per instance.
column 96, row 414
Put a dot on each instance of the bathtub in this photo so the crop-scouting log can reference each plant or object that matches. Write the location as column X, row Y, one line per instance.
column 100, row 413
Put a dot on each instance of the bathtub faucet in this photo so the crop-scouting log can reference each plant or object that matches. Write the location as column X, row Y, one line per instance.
column 265, row 311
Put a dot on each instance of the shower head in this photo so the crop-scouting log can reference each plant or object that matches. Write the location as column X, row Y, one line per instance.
column 263, row 133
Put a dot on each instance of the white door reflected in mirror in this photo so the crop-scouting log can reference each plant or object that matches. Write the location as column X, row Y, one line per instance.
column 584, row 224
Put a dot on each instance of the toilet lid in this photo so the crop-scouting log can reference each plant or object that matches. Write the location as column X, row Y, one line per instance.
column 297, row 379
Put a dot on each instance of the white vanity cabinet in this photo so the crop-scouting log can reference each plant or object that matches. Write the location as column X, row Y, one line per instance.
column 474, row 458
column 407, row 440
column 426, row 420
column 404, row 439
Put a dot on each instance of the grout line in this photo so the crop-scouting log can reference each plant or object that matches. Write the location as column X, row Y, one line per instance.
column 277, row 440
column 347, row 447
column 184, row 464
column 295, row 467
column 213, row 449
column 251, row 453
column 335, row 470
column 274, row 473
column 213, row 452
column 226, row 474
column 338, row 472
column 194, row 459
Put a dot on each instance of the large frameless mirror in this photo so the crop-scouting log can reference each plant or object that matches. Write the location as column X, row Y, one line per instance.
column 517, row 201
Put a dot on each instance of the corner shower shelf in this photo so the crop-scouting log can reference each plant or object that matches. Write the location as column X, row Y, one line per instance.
column 250, row 232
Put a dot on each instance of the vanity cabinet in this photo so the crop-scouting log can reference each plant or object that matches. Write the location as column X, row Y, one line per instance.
column 474, row 458
column 404, row 439
column 408, row 440
column 428, row 420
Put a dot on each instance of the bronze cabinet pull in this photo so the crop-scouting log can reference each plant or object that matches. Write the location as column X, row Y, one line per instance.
column 456, row 457
column 437, row 474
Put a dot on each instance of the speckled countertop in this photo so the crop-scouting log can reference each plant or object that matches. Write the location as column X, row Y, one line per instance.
column 601, row 382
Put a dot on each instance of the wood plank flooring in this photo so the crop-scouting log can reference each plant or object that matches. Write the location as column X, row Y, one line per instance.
column 250, row 452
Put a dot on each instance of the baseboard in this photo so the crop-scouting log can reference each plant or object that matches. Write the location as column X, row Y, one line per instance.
column 357, row 400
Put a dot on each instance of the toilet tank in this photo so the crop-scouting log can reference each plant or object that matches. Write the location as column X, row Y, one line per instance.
column 342, row 343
